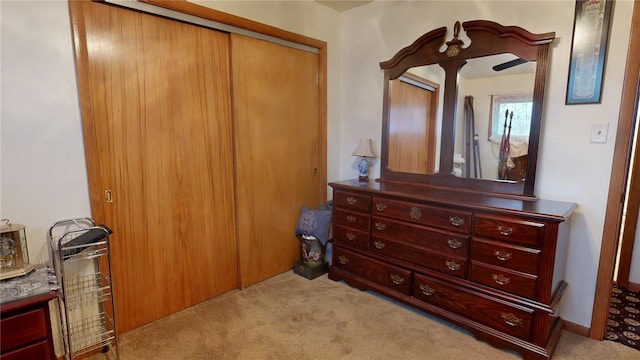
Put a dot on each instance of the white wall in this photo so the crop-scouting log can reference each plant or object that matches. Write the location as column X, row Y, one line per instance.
column 43, row 171
column 570, row 168
column 44, row 175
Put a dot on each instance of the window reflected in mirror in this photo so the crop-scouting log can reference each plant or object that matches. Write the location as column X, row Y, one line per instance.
column 481, row 134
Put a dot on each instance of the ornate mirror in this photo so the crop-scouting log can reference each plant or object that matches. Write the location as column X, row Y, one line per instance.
column 466, row 115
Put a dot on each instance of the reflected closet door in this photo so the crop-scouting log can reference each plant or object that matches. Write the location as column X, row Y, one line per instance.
column 278, row 134
column 156, row 108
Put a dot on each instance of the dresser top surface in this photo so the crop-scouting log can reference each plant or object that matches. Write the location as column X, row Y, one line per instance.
column 547, row 209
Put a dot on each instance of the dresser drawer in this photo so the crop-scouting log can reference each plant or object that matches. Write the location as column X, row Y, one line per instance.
column 510, row 319
column 350, row 219
column 512, row 257
column 443, row 218
column 40, row 351
column 450, row 265
column 442, row 241
column 351, row 201
column 351, row 236
column 509, row 229
column 504, row 279
column 391, row 276
column 25, row 327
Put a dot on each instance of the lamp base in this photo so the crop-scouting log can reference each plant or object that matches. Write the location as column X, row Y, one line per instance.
column 363, row 169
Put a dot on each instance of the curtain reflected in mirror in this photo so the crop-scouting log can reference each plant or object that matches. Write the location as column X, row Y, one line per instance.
column 494, row 145
column 414, row 120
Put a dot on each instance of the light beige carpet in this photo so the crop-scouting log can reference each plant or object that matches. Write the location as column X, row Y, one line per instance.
column 290, row 317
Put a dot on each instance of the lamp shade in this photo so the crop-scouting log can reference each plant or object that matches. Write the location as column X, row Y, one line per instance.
column 365, row 148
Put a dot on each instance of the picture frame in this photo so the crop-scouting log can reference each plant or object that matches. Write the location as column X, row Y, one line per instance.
column 588, row 51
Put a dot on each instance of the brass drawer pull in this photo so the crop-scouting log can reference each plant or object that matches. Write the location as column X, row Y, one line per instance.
column 500, row 279
column 343, row 260
column 452, row 265
column 511, row 319
column 415, row 213
column 379, row 244
column 427, row 290
column 456, row 221
column 380, row 226
column 502, row 255
column 454, row 243
column 505, row 230
column 381, row 206
column 397, row 279
column 350, row 236
column 351, row 219
column 351, row 200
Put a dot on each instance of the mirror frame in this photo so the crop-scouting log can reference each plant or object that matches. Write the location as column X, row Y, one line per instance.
column 487, row 38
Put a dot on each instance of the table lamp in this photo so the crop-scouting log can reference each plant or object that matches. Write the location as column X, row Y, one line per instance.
column 364, row 151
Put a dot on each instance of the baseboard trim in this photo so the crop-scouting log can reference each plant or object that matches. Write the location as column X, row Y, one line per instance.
column 575, row 328
column 633, row 287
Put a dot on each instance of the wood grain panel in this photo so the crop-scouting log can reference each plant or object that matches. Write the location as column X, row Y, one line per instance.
column 412, row 140
column 156, row 112
column 278, row 132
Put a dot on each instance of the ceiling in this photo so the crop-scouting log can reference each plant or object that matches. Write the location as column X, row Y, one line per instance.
column 342, row 5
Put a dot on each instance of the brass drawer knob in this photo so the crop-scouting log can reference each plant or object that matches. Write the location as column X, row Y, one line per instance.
column 343, row 260
column 454, row 243
column 380, row 226
column 379, row 244
column 351, row 219
column 351, row 200
column 452, row 265
column 397, row 279
column 456, row 221
column 511, row 319
column 502, row 255
column 427, row 290
column 381, row 206
column 350, row 236
column 500, row 279
column 415, row 213
column 505, row 230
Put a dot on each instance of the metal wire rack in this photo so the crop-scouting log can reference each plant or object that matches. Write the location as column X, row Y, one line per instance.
column 81, row 258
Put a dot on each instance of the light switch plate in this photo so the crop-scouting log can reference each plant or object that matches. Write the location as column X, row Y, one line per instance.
column 599, row 133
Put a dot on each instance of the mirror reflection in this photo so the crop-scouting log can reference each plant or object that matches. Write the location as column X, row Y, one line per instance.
column 415, row 120
column 495, row 97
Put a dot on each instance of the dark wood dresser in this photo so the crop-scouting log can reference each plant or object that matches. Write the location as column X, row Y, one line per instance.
column 493, row 265
column 26, row 329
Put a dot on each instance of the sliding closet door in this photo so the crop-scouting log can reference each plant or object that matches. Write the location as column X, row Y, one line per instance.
column 156, row 110
column 278, row 136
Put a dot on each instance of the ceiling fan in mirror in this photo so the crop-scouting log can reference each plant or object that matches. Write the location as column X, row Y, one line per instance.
column 509, row 64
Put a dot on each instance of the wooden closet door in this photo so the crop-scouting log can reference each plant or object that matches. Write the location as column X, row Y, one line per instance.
column 156, row 110
column 278, row 151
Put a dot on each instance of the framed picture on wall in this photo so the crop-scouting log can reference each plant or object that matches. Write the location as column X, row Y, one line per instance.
column 588, row 51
